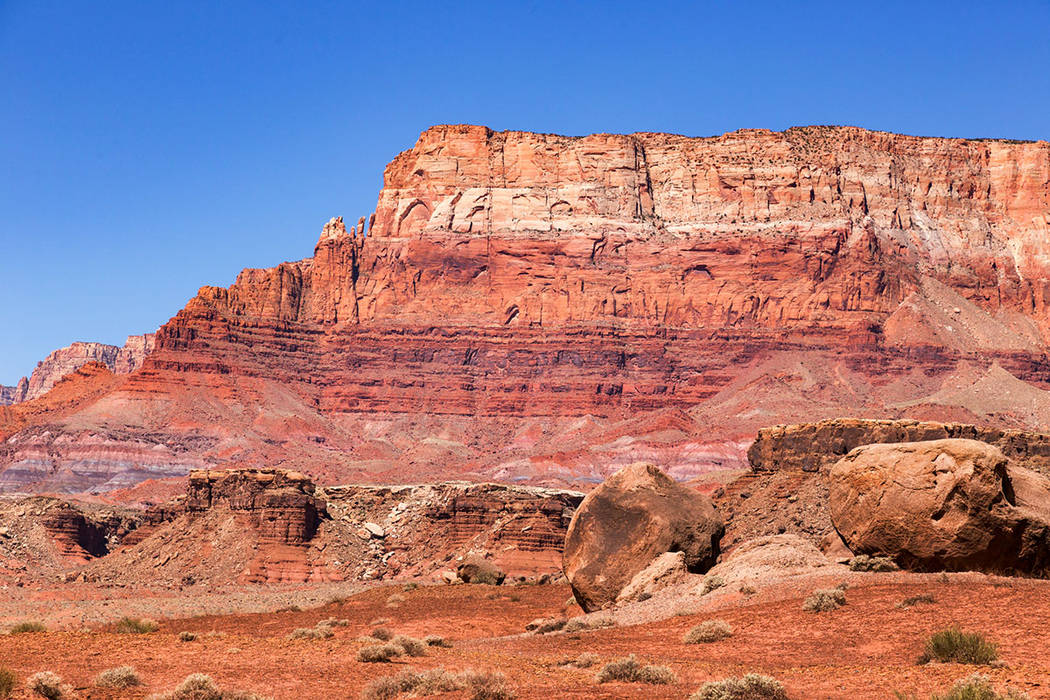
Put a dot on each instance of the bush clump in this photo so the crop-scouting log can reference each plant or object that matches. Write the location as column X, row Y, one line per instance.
column 825, row 600
column 132, row 625
column 382, row 634
column 199, row 686
column 711, row 583
column 434, row 640
column 546, row 625
column 483, row 686
column 410, row 646
column 584, row 660
column 955, row 646
column 582, row 623
column 28, row 627
column 864, row 562
column 119, row 677
column 8, row 680
column 319, row 632
column 379, row 653
column 708, row 631
column 187, row 636
column 630, row 670
column 49, row 685
column 753, row 686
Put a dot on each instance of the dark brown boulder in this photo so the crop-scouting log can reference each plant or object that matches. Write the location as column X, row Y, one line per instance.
column 623, row 525
column 943, row 504
column 475, row 569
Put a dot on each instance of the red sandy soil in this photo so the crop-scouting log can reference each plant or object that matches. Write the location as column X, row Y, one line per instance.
column 867, row 649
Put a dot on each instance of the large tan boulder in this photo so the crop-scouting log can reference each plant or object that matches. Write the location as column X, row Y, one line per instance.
column 942, row 504
column 626, row 523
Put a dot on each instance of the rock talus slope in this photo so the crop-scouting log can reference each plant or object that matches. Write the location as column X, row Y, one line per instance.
column 531, row 306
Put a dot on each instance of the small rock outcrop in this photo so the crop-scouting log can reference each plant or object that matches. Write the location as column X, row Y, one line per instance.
column 942, row 504
column 812, row 446
column 626, row 523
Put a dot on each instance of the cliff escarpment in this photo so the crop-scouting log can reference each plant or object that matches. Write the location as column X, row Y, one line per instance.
column 530, row 306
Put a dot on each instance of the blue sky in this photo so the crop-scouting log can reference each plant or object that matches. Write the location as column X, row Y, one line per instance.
column 150, row 147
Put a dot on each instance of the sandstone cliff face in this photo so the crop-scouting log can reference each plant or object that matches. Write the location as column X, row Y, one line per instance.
column 62, row 362
column 14, row 394
column 552, row 308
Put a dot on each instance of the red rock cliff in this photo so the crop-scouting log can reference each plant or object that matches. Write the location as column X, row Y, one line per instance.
column 673, row 294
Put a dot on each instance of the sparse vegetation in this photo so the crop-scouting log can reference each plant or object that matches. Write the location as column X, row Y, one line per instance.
column 708, row 631
column 49, row 685
column 319, row 632
column 8, row 680
column 382, row 634
column 132, row 625
column 975, row 687
column 875, row 564
column 916, row 600
column 630, row 670
column 395, row 600
column 119, row 677
column 28, row 627
column 584, row 660
column 955, row 646
column 825, row 600
column 751, row 687
column 333, row 622
column 198, row 686
column 483, row 686
column 187, row 636
column 410, row 645
column 379, row 653
column 712, row 583
column 748, row 590
column 546, row 625
column 433, row 640
column 584, row 623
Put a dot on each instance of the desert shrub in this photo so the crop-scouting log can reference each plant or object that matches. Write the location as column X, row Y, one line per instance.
column 119, row 677
column 644, row 596
column 395, row 600
column 199, row 686
column 584, row 623
column 487, row 686
column 629, row 670
column 433, row 640
column 546, row 625
column 48, row 685
column 131, row 625
column 824, row 600
column 319, row 632
column 711, row 583
column 915, row 600
column 7, row 682
column 411, row 586
column 708, row 631
column 28, row 627
column 955, row 646
column 751, row 687
column 379, row 653
column 584, row 660
column 483, row 686
column 748, row 590
column 382, row 634
column 975, row 687
column 333, row 622
column 410, row 645
column 864, row 562
column 187, row 636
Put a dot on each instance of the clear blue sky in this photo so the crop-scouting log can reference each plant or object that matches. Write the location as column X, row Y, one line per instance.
column 151, row 147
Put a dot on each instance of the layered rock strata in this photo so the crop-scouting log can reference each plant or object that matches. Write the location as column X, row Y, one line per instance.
column 670, row 294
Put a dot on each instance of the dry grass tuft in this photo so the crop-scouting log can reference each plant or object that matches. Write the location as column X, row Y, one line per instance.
column 28, row 627
column 131, row 625
column 482, row 686
column 751, row 687
column 863, row 562
column 119, row 677
column 434, row 640
column 711, row 583
column 955, row 646
column 198, row 686
column 379, row 653
column 546, row 625
column 319, row 632
column 410, row 645
column 382, row 634
column 49, row 685
column 708, row 631
column 629, row 670
column 825, row 600
column 8, row 681
column 915, row 600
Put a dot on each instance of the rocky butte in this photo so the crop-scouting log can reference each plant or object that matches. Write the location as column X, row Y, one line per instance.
column 535, row 307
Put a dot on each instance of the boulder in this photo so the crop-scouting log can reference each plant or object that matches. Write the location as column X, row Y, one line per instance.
column 475, row 569
column 944, row 504
column 666, row 570
column 772, row 557
column 622, row 526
